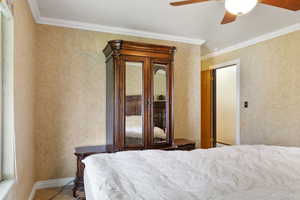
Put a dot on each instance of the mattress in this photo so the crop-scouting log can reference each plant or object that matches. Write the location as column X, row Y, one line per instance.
column 227, row 173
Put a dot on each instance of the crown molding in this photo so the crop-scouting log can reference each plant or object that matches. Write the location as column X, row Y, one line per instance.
column 34, row 9
column 255, row 40
column 116, row 30
column 123, row 31
column 107, row 29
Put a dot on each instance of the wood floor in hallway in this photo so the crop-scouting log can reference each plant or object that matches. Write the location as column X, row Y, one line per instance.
column 46, row 194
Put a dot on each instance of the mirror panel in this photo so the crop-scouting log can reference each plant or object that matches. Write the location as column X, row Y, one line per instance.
column 159, row 105
column 134, row 129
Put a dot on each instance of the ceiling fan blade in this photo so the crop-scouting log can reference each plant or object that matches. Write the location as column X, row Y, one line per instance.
column 287, row 4
column 181, row 3
column 228, row 18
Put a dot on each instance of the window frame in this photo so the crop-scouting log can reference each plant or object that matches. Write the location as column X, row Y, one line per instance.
column 7, row 133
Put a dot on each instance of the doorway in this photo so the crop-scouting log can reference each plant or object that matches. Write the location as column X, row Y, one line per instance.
column 220, row 120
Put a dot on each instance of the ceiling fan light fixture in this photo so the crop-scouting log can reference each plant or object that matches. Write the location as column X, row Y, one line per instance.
column 240, row 7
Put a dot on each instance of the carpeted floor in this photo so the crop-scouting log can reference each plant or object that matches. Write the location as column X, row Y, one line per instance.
column 46, row 194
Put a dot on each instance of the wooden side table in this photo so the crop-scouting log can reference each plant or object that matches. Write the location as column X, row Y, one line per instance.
column 182, row 144
column 81, row 153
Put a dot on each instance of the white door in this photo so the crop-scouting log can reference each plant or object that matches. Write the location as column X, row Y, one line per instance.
column 226, row 105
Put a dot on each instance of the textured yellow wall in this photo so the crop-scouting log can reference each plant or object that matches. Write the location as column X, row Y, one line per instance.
column 24, row 76
column 270, row 82
column 70, row 95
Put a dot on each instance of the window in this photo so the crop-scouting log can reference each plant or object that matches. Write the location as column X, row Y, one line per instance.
column 7, row 153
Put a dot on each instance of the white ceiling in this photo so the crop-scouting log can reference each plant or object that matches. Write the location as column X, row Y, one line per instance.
column 191, row 23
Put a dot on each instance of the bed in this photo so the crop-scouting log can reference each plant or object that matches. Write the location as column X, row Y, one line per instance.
column 227, row 173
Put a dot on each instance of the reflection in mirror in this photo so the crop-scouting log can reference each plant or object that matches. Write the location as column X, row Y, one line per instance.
column 134, row 132
column 159, row 104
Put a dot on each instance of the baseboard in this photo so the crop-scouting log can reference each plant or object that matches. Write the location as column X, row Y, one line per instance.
column 32, row 193
column 49, row 184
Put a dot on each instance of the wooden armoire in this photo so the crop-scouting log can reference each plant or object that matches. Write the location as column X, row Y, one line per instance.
column 139, row 103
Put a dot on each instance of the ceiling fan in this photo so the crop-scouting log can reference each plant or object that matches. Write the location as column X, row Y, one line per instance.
column 235, row 8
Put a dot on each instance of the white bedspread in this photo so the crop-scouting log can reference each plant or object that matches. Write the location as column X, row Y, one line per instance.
column 134, row 128
column 228, row 173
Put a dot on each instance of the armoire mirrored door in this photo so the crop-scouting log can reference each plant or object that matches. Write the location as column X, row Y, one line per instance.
column 159, row 128
column 134, row 111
